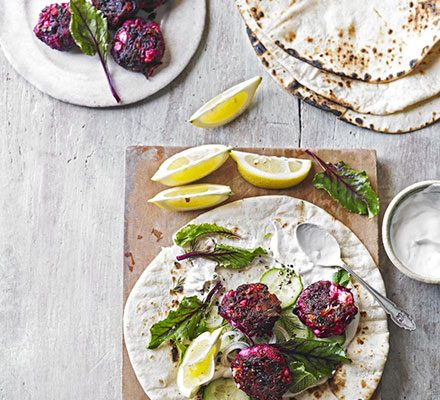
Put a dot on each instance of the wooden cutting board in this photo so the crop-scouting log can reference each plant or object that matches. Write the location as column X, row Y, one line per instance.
column 149, row 228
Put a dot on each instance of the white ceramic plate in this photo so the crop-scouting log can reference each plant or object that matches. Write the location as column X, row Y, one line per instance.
column 79, row 79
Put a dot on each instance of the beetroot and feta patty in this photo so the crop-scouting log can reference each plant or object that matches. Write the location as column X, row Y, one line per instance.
column 139, row 46
column 116, row 11
column 326, row 308
column 53, row 27
column 252, row 309
column 261, row 372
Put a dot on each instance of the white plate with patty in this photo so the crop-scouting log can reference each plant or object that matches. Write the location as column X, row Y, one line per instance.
column 76, row 78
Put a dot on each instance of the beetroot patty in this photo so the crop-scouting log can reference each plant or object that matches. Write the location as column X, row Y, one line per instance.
column 53, row 27
column 138, row 46
column 251, row 308
column 116, row 11
column 326, row 308
column 261, row 372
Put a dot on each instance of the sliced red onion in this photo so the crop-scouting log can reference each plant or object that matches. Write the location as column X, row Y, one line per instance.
column 229, row 349
column 279, row 329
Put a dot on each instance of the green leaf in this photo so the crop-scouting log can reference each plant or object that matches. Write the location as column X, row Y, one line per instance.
column 312, row 360
column 181, row 349
column 307, row 372
column 227, row 256
column 236, row 257
column 190, row 233
column 341, row 277
column 201, row 328
column 184, row 324
column 88, row 27
column 188, row 329
column 178, row 324
column 349, row 187
column 330, row 351
column 301, row 377
column 89, row 30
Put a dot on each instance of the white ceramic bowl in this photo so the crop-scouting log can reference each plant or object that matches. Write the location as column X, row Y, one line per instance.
column 387, row 225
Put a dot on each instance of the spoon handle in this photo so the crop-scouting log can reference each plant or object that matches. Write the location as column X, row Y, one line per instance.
column 400, row 317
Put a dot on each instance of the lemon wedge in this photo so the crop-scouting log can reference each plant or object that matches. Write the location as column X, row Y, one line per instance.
column 227, row 106
column 198, row 365
column 271, row 172
column 192, row 197
column 199, row 351
column 191, row 165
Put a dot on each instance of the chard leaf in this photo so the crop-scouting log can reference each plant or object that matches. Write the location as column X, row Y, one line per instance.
column 307, row 372
column 178, row 323
column 318, row 367
column 89, row 30
column 227, row 256
column 311, row 360
column 349, row 187
column 315, row 349
column 341, row 277
column 189, row 328
column 188, row 331
column 181, row 349
column 301, row 377
column 201, row 327
column 190, row 233
column 185, row 323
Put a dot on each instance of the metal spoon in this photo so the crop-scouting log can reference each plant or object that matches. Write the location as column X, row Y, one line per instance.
column 323, row 250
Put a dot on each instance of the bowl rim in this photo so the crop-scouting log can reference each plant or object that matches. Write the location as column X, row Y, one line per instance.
column 386, row 225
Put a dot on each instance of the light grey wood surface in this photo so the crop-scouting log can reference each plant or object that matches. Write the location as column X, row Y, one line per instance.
column 61, row 217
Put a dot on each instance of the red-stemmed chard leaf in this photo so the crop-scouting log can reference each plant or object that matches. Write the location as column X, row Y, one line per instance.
column 189, row 234
column 184, row 324
column 311, row 361
column 227, row 256
column 349, row 187
column 89, row 30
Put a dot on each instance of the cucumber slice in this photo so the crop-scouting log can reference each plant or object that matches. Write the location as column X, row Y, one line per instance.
column 224, row 389
column 293, row 325
column 213, row 319
column 284, row 284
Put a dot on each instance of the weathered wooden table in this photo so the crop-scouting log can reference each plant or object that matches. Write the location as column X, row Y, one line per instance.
column 62, row 207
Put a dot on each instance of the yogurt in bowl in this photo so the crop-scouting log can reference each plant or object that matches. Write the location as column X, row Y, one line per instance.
column 411, row 231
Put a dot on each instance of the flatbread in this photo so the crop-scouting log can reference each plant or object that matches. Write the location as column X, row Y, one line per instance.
column 373, row 41
column 411, row 119
column 150, row 299
column 363, row 97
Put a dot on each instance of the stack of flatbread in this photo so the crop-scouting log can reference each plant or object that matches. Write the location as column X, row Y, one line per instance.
column 375, row 64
